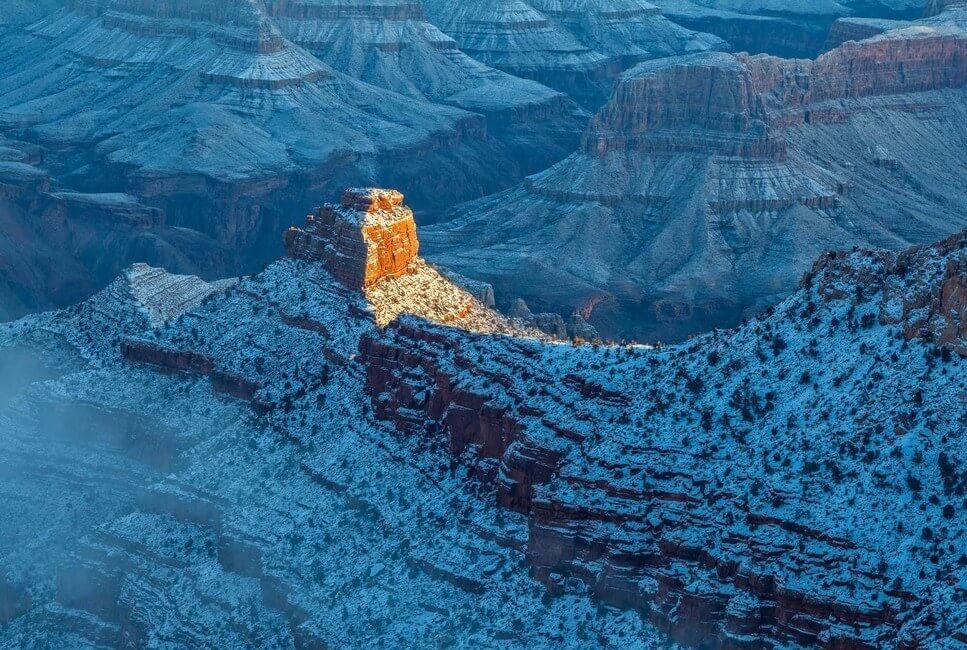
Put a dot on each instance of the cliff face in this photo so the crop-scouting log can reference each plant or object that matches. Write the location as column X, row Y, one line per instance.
column 225, row 116
column 681, row 507
column 709, row 182
column 370, row 236
column 743, row 96
column 304, row 463
column 577, row 46
column 660, row 110
column 919, row 58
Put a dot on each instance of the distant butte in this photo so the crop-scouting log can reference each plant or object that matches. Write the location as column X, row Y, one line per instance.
column 709, row 182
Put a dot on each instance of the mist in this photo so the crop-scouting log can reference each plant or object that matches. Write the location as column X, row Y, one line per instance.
column 67, row 466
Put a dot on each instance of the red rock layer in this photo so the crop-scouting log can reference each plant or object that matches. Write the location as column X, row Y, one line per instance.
column 628, row 556
column 893, row 64
column 723, row 105
column 370, row 236
column 701, row 563
column 188, row 361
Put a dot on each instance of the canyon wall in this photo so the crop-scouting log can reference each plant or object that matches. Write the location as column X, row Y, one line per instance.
column 709, row 183
column 709, row 563
column 221, row 118
column 576, row 47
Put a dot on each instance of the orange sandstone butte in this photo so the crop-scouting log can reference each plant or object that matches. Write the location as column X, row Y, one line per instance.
column 369, row 236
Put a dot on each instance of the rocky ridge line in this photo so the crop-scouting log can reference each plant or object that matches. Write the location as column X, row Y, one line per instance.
column 718, row 491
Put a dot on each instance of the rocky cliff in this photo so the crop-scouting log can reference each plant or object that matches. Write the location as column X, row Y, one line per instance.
column 368, row 237
column 690, row 486
column 782, row 28
column 271, row 462
column 577, row 46
column 857, row 29
column 225, row 116
column 709, row 182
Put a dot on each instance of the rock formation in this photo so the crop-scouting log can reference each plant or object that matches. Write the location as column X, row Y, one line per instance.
column 780, row 27
column 393, row 47
column 577, row 46
column 858, row 29
column 692, row 515
column 274, row 462
column 221, row 118
column 369, row 236
column 709, row 182
column 932, row 307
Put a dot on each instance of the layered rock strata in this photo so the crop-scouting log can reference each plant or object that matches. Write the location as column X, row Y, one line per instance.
column 719, row 521
column 577, row 47
column 392, row 46
column 405, row 483
column 709, row 182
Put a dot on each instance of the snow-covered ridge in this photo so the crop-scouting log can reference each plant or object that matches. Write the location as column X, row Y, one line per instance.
column 716, row 490
column 164, row 296
column 725, row 485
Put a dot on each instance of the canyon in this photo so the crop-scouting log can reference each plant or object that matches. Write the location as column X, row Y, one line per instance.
column 709, row 182
column 217, row 119
column 665, row 346
column 185, row 135
column 348, row 449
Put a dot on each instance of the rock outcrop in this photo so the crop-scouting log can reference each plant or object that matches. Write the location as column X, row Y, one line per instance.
column 932, row 306
column 369, row 236
column 368, row 243
column 577, row 47
column 709, row 183
column 419, row 470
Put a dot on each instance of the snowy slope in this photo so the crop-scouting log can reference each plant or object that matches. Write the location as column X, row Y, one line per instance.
column 260, row 464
